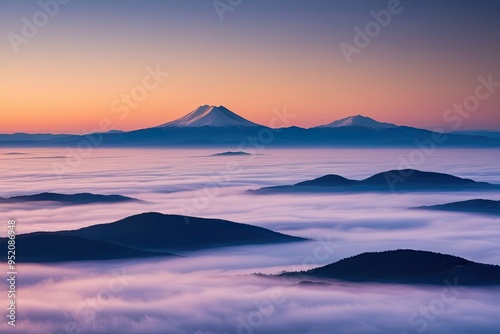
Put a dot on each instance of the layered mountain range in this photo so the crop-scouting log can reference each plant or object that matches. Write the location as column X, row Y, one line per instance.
column 218, row 126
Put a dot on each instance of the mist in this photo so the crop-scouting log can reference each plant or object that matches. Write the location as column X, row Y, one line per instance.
column 160, row 297
column 213, row 291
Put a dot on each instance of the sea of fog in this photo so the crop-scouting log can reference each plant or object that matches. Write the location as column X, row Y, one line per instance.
column 210, row 291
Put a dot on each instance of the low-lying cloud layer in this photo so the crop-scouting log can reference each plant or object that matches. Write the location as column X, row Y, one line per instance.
column 158, row 297
column 205, row 292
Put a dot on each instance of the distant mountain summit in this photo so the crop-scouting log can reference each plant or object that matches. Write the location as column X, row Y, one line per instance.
column 212, row 126
column 210, row 116
column 358, row 120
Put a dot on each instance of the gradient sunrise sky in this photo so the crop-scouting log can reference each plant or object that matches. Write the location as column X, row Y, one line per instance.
column 265, row 54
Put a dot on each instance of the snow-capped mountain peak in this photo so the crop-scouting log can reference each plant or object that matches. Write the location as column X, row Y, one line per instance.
column 358, row 120
column 210, row 116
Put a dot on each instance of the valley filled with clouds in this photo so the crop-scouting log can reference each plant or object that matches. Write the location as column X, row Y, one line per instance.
column 213, row 291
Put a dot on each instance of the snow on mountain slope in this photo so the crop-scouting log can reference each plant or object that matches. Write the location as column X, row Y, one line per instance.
column 210, row 116
column 358, row 120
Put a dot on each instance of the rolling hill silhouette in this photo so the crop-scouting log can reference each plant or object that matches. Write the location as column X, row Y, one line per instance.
column 482, row 206
column 50, row 247
column 230, row 153
column 405, row 180
column 330, row 180
column 155, row 231
column 144, row 235
column 74, row 199
column 406, row 267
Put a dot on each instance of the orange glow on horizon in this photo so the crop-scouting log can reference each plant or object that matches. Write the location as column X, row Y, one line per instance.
column 67, row 79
